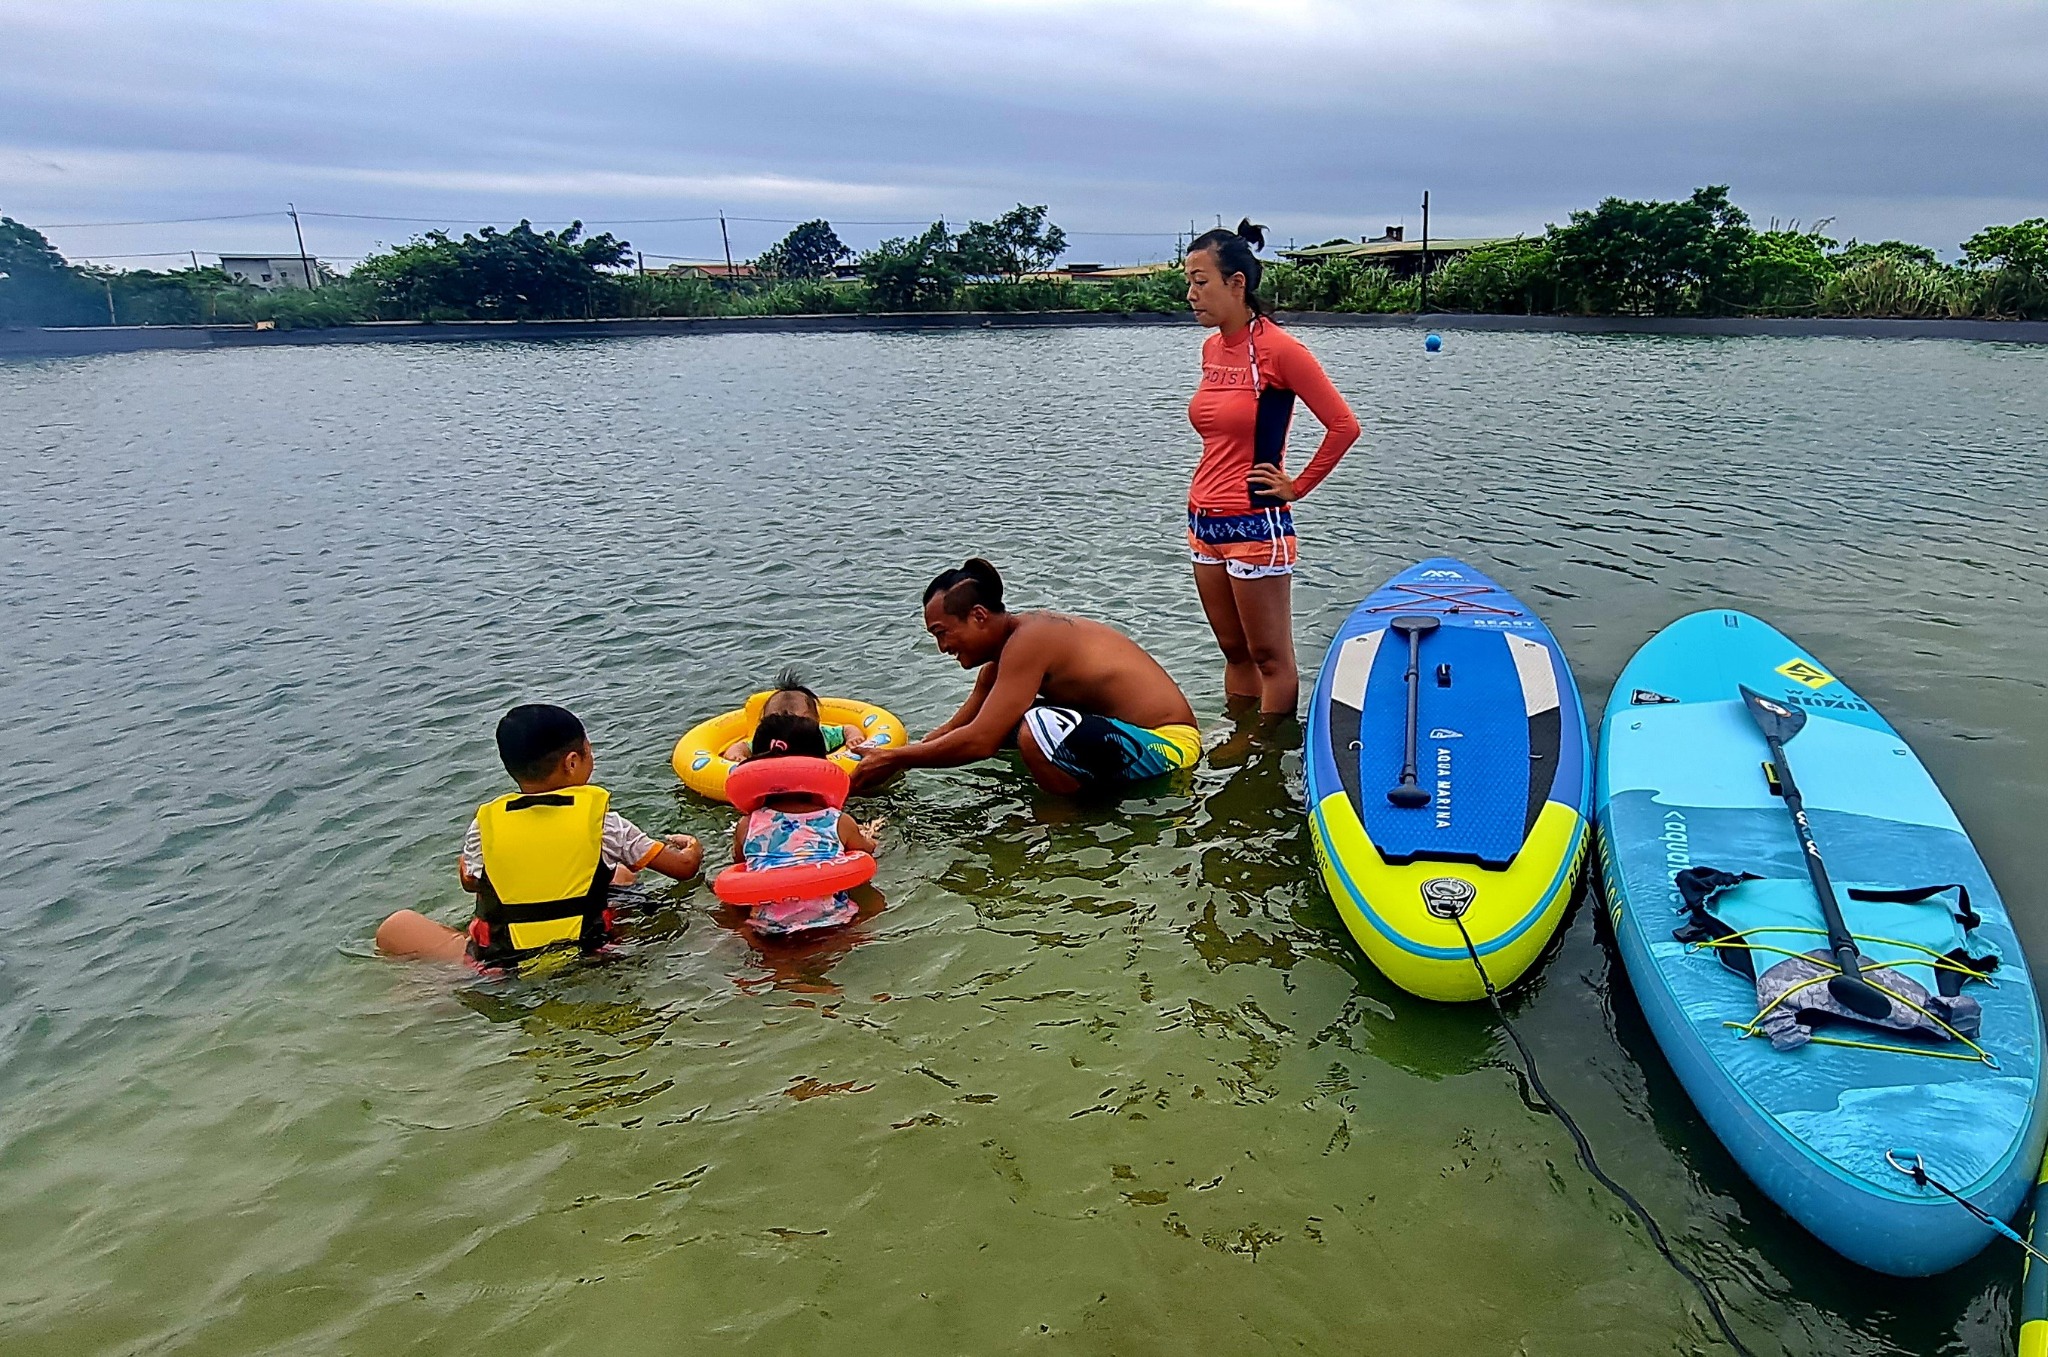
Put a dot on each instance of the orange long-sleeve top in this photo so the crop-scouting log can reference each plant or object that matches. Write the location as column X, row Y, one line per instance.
column 1225, row 412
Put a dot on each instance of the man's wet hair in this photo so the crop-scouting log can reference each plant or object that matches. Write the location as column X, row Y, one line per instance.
column 963, row 588
column 785, row 735
column 533, row 738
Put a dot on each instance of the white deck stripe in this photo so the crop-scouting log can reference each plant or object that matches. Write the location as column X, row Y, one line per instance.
column 1354, row 667
column 1538, row 674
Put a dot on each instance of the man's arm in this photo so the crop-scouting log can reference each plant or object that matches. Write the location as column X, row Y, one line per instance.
column 1013, row 688
column 984, row 681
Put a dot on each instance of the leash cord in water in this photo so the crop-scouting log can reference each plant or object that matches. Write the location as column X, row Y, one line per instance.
column 1917, row 1171
column 1585, row 1149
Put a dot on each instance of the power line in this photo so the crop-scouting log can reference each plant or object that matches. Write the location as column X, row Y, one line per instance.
column 593, row 221
column 442, row 221
column 166, row 221
column 147, row 254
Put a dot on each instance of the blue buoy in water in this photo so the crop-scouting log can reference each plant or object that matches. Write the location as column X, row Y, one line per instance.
column 1434, row 343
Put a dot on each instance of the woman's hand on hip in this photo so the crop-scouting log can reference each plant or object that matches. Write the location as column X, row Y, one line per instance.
column 1270, row 481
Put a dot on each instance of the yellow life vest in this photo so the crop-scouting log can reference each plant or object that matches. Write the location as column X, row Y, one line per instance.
column 545, row 881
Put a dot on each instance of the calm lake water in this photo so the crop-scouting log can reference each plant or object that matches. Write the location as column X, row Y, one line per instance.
column 1093, row 1081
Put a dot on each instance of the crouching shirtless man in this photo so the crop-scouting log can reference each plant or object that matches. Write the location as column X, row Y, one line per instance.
column 1083, row 703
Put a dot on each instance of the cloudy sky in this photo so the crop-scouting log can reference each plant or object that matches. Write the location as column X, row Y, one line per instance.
column 1130, row 120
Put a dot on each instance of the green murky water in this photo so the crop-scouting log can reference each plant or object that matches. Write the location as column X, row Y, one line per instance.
column 1093, row 1081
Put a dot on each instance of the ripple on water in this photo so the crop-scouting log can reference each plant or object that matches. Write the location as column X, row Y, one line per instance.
column 1115, row 1077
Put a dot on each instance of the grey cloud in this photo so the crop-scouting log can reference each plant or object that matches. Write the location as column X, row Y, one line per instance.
column 1319, row 117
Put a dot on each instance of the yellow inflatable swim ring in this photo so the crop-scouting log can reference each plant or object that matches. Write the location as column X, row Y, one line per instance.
column 700, row 759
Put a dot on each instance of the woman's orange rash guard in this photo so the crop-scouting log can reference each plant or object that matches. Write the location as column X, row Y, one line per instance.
column 1225, row 412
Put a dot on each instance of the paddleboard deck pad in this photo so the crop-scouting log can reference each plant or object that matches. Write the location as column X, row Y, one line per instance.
column 1806, row 1098
column 1499, row 827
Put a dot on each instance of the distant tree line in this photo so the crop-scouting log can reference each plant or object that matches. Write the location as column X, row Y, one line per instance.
column 1697, row 256
column 1700, row 256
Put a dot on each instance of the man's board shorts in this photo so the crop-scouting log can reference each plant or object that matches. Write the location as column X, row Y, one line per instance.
column 1251, row 546
column 1100, row 751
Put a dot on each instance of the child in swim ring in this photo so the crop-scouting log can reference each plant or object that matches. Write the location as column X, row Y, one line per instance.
column 796, row 828
column 792, row 698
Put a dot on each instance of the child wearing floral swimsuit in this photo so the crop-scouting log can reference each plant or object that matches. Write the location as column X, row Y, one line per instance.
column 795, row 829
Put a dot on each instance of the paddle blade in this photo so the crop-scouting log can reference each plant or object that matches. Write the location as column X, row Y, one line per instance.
column 1408, row 796
column 1414, row 624
column 1777, row 720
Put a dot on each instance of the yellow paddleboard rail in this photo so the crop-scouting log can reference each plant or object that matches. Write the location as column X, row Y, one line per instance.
column 1513, row 911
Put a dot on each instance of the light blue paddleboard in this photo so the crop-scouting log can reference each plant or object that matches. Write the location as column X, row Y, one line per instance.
column 1681, row 783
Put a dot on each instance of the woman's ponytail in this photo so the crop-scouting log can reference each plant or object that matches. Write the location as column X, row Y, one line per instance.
column 1237, row 252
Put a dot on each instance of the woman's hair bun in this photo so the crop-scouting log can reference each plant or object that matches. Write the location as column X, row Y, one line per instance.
column 1252, row 233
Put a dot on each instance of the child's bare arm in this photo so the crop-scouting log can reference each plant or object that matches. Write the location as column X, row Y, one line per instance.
column 739, row 843
column 680, row 857
column 738, row 751
column 856, row 837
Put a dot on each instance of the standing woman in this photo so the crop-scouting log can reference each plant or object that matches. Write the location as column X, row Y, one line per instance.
column 1240, row 519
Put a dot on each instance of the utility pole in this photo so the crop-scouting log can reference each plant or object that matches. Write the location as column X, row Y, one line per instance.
column 304, row 263
column 195, row 260
column 640, row 257
column 111, row 319
column 728, row 247
column 1424, row 304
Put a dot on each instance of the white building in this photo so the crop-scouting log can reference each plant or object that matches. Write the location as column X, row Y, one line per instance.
column 269, row 270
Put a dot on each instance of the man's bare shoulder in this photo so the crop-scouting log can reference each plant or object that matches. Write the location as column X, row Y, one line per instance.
column 1050, row 626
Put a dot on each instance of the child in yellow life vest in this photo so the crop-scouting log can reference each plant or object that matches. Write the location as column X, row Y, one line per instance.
column 541, row 861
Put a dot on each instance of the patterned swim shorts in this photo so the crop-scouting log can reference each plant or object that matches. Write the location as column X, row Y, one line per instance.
column 1252, row 546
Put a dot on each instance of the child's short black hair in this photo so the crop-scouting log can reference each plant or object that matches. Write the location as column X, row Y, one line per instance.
column 533, row 738
column 790, row 681
column 784, row 734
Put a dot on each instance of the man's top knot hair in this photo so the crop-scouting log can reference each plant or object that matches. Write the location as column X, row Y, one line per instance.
column 973, row 584
column 1237, row 252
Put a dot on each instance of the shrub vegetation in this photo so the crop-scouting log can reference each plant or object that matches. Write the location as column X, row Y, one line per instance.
column 1696, row 256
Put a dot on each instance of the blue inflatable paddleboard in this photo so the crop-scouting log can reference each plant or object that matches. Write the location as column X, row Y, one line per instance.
column 1482, row 838
column 1720, row 930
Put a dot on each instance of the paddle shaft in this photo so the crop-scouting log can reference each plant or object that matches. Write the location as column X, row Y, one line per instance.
column 1839, row 940
column 1414, row 681
column 1405, row 793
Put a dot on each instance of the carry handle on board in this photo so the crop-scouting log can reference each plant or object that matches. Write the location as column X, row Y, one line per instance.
column 1779, row 723
column 1405, row 793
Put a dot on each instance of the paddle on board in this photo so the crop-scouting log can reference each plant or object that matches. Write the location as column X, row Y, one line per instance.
column 1405, row 793
column 1779, row 723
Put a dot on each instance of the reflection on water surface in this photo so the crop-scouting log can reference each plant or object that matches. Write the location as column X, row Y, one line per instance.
column 1110, row 1076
